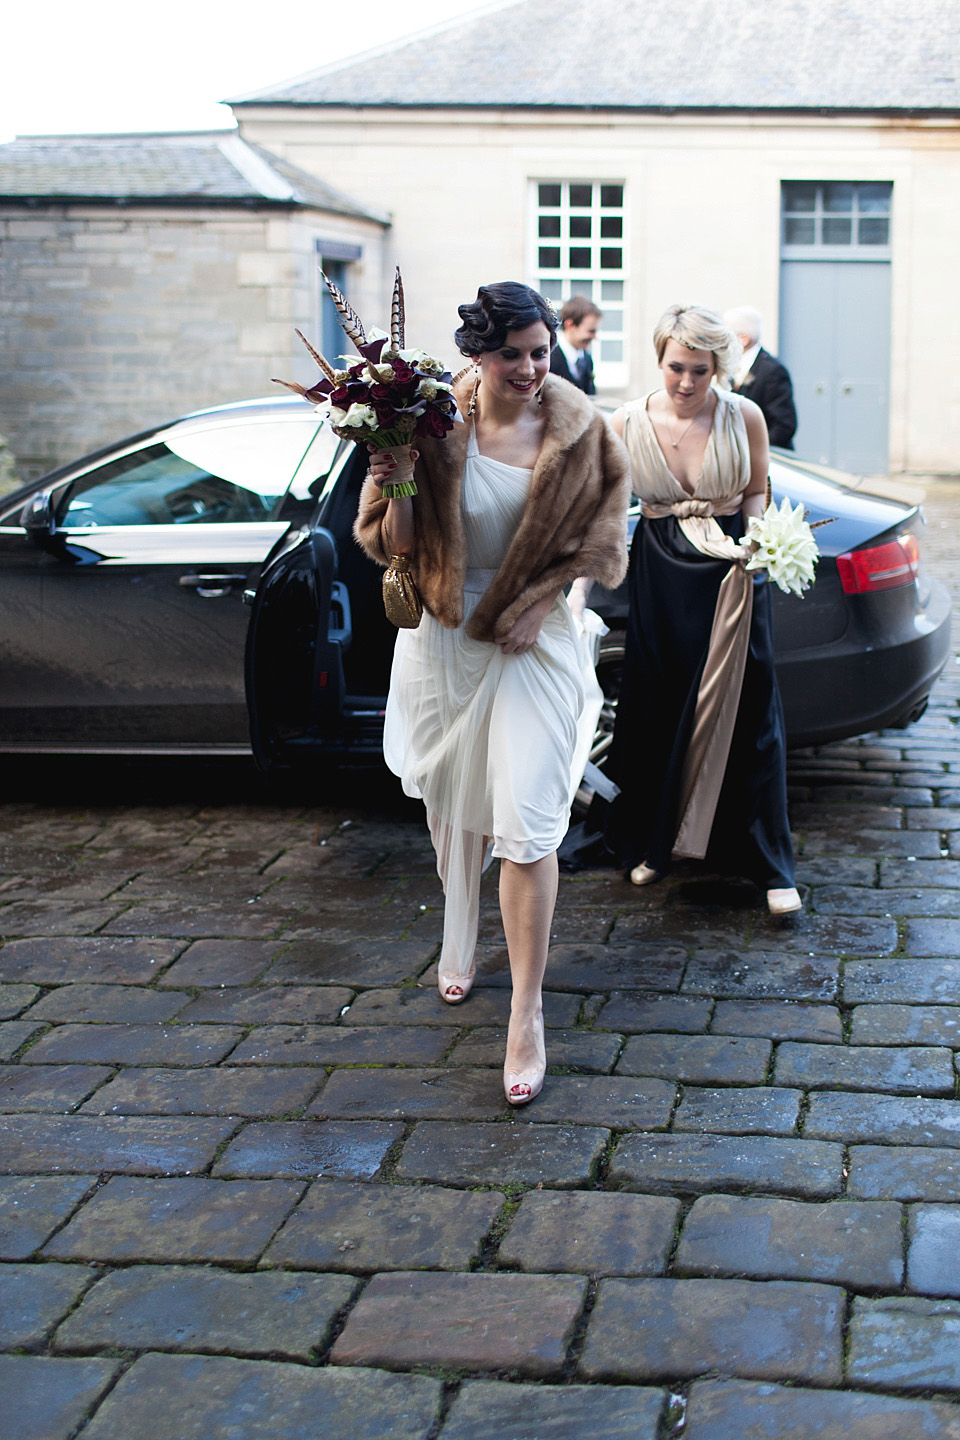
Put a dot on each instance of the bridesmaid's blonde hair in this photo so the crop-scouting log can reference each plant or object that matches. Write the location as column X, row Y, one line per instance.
column 698, row 328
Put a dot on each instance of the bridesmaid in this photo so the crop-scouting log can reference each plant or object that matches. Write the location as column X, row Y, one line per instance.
column 487, row 695
column 699, row 750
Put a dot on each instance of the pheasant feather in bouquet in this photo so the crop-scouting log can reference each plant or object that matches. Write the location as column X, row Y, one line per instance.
column 390, row 397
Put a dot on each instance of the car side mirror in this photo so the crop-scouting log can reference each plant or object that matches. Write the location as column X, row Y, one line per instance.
column 39, row 519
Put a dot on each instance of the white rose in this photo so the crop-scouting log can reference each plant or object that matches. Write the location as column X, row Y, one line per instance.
column 358, row 416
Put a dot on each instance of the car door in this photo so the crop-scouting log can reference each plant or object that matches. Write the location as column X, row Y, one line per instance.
column 319, row 646
column 143, row 624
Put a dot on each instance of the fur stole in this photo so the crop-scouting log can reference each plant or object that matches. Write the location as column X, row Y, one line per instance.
column 574, row 521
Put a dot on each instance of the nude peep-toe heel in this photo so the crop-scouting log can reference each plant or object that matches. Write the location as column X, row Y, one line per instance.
column 454, row 989
column 522, row 1086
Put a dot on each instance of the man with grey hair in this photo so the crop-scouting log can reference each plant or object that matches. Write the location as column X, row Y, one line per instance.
column 762, row 378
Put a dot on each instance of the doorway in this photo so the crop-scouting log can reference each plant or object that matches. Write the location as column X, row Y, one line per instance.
column 835, row 282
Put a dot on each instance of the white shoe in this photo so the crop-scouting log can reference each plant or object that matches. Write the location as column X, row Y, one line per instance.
column 784, row 902
column 642, row 874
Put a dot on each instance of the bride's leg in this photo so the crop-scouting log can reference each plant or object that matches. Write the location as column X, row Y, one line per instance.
column 528, row 895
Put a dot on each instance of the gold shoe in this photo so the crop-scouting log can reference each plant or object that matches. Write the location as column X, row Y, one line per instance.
column 784, row 902
column 642, row 874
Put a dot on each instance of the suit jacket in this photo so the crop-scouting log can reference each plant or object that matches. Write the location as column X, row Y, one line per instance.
column 574, row 522
column 768, row 385
column 559, row 366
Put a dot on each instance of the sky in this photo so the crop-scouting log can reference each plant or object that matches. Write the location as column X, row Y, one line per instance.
column 108, row 66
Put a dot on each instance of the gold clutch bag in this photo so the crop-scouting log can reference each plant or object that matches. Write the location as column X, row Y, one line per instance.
column 401, row 600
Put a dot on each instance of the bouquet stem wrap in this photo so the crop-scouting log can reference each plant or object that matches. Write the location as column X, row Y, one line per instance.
column 401, row 483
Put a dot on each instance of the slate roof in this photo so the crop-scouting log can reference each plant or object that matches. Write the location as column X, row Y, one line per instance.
column 213, row 167
column 885, row 56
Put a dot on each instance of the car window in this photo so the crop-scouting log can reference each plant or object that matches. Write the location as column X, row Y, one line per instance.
column 218, row 474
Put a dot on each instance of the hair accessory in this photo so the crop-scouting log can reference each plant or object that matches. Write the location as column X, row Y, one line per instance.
column 473, row 398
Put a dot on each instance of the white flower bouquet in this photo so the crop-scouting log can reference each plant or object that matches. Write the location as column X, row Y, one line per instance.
column 781, row 542
column 388, row 398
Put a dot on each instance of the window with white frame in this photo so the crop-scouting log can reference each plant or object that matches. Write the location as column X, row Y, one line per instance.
column 836, row 219
column 577, row 248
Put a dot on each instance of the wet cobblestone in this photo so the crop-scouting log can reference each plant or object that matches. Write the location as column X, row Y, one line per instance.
column 253, row 1173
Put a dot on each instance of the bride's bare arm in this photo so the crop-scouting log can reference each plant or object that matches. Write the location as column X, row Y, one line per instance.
column 398, row 526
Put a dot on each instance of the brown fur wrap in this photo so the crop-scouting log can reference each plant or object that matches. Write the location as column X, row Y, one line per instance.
column 574, row 522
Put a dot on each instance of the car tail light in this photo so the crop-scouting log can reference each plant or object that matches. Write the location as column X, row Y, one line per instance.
column 879, row 567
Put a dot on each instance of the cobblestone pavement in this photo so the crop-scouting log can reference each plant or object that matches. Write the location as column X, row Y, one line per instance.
column 257, row 1181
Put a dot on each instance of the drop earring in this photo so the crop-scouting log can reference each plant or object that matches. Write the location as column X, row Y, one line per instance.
column 473, row 398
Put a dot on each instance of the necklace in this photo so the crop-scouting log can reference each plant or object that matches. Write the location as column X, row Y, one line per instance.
column 689, row 425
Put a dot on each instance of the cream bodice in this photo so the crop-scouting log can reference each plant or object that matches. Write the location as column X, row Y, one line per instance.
column 725, row 472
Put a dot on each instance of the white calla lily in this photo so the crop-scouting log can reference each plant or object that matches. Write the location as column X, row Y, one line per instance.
column 782, row 544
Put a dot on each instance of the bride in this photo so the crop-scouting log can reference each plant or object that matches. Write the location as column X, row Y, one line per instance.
column 487, row 695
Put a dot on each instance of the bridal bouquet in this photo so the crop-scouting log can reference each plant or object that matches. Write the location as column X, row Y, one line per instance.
column 388, row 398
column 781, row 543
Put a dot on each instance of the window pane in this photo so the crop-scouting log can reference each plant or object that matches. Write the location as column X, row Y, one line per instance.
column 611, row 227
column 154, row 486
column 580, row 257
column 873, row 231
column 837, row 232
column 611, row 350
column 549, row 258
column 799, row 196
column 584, row 288
column 874, row 199
column 611, row 290
column 611, row 197
column 838, row 199
column 549, row 195
column 611, row 259
column 799, row 232
column 549, row 226
column 580, row 227
column 613, row 319
column 551, row 289
column 581, row 197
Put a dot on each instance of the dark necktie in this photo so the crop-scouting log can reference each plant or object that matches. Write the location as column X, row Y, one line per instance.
column 583, row 364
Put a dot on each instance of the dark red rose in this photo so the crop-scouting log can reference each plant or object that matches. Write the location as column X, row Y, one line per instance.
column 402, row 372
column 432, row 423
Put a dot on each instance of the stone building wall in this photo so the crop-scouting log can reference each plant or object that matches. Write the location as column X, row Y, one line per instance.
column 116, row 318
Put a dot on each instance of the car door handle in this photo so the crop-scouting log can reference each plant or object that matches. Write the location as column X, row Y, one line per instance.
column 211, row 586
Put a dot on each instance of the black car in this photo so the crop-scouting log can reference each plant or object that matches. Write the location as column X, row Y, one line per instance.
column 123, row 578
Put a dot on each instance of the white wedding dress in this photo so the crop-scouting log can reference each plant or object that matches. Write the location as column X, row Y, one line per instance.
column 494, row 744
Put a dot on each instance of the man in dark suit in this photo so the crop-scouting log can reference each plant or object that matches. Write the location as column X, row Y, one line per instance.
column 571, row 358
column 762, row 378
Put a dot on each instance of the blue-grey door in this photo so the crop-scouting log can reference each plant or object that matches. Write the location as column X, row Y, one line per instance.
column 333, row 342
column 835, row 341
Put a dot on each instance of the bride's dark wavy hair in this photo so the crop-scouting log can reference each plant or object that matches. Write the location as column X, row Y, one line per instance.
column 498, row 308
